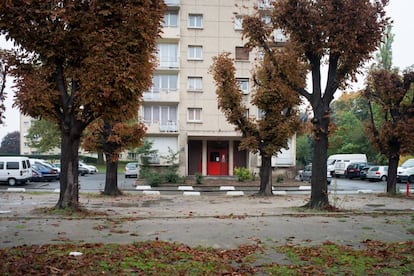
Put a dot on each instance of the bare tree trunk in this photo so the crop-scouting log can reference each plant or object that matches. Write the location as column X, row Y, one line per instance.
column 69, row 179
column 319, row 195
column 393, row 161
column 111, row 178
column 100, row 160
column 266, row 176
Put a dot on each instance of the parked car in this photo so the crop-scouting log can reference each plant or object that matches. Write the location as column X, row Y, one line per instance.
column 354, row 170
column 46, row 173
column 46, row 164
column 406, row 176
column 131, row 170
column 15, row 169
column 36, row 176
column 377, row 173
column 90, row 168
column 363, row 172
column 306, row 174
column 402, row 170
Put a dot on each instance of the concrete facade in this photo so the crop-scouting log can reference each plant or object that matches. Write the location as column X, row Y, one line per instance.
column 180, row 110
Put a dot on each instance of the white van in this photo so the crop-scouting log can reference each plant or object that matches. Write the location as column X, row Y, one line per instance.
column 15, row 169
column 338, row 163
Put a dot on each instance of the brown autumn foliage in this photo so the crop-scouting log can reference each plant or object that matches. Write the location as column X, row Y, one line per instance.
column 112, row 139
column 392, row 132
column 326, row 33
column 80, row 61
column 275, row 99
column 3, row 74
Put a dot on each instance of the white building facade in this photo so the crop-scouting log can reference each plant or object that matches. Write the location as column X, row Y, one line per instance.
column 180, row 110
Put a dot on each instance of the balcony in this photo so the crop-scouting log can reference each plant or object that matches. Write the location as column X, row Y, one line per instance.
column 170, row 33
column 172, row 3
column 265, row 4
column 169, row 64
column 161, row 95
column 162, row 127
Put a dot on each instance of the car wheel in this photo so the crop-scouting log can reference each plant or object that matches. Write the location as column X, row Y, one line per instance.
column 411, row 179
column 12, row 181
column 384, row 178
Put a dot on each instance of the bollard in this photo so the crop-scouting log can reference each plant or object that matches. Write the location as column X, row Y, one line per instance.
column 407, row 190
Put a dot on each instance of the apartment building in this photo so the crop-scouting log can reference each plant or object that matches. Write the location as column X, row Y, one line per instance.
column 180, row 109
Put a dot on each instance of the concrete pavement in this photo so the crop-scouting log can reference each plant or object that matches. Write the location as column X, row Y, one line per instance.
column 220, row 221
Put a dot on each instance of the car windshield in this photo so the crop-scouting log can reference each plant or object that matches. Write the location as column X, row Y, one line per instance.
column 131, row 165
column 408, row 163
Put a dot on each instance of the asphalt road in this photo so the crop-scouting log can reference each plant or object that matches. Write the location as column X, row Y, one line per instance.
column 96, row 182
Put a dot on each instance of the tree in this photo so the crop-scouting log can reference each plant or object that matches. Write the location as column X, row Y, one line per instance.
column 4, row 67
column 273, row 97
column 392, row 134
column 11, row 143
column 43, row 135
column 350, row 114
column 80, row 61
column 326, row 32
column 112, row 139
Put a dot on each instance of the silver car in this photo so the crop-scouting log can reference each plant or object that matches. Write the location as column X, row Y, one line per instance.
column 131, row 170
column 377, row 173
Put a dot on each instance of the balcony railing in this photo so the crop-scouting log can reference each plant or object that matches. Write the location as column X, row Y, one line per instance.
column 163, row 95
column 172, row 3
column 170, row 126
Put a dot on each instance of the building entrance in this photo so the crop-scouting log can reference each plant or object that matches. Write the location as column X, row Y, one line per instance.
column 217, row 158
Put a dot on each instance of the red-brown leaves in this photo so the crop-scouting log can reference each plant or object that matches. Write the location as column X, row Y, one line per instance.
column 392, row 92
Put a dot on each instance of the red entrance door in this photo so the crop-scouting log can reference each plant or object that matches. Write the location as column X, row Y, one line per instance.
column 218, row 163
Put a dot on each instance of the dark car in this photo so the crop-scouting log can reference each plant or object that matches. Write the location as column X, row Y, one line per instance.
column 354, row 170
column 47, row 173
column 363, row 173
column 36, row 176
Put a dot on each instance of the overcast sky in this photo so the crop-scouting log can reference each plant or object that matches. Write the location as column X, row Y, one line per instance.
column 401, row 12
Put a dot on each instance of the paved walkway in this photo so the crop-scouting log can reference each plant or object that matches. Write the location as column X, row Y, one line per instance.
column 219, row 221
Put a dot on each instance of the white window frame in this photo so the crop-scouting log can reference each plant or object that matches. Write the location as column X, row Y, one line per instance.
column 195, row 21
column 195, row 52
column 168, row 21
column 165, row 82
column 244, row 85
column 194, row 115
column 160, row 114
column 167, row 54
column 238, row 23
column 195, row 83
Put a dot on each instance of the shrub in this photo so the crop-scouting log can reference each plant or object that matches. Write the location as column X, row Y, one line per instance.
column 153, row 179
column 198, row 178
column 242, row 174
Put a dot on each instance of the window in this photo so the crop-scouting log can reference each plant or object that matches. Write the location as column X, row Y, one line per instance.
column 242, row 53
column 195, row 21
column 194, row 114
column 195, row 52
column 195, row 83
column 266, row 19
column 167, row 82
column 162, row 115
column 167, row 54
column 238, row 23
column 244, row 85
column 170, row 19
column 260, row 114
column 12, row 165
